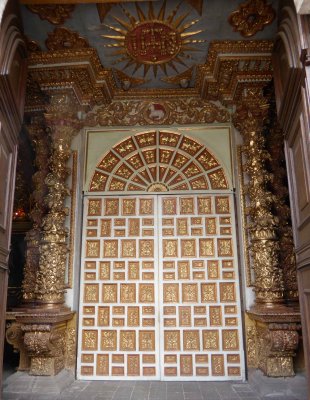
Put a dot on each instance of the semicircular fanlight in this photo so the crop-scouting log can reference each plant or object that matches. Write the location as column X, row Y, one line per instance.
column 158, row 161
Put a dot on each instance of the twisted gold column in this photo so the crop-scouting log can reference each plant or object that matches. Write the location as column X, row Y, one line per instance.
column 50, row 285
column 249, row 119
column 40, row 141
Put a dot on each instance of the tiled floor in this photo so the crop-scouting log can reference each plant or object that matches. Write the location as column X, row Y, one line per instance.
column 257, row 388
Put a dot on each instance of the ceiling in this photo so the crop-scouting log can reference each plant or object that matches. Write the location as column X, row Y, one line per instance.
column 149, row 44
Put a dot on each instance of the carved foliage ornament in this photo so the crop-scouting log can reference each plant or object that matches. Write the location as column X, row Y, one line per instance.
column 54, row 13
column 63, row 38
column 251, row 17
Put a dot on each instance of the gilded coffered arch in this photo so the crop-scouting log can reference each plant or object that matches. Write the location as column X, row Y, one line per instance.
column 158, row 161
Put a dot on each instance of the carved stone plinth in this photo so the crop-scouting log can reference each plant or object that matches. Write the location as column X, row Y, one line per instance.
column 45, row 340
column 272, row 339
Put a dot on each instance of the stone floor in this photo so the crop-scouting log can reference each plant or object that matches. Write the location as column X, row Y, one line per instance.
column 20, row 386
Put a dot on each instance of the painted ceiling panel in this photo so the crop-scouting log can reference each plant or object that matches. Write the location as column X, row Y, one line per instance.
column 154, row 44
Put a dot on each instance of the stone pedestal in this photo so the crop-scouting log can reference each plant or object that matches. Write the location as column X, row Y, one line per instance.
column 273, row 339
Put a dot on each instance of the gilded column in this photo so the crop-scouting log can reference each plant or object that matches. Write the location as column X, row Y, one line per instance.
column 282, row 210
column 63, row 124
column 249, row 118
column 40, row 141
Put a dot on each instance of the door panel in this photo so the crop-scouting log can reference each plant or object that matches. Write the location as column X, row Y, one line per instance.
column 119, row 327
column 160, row 287
column 200, row 312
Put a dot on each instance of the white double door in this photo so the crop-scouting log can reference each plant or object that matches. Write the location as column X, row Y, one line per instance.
column 159, row 289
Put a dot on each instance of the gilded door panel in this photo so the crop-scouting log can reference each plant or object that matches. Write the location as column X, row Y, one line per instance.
column 199, row 291
column 119, row 292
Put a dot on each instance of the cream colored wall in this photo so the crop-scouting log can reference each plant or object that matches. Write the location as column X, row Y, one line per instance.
column 216, row 138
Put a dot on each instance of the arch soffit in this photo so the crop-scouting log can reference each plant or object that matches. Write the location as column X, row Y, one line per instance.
column 158, row 161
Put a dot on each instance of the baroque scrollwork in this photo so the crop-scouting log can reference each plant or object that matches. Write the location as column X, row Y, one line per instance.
column 53, row 13
column 252, row 16
column 62, row 39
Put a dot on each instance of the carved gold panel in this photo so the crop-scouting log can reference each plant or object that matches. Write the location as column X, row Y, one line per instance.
column 146, row 293
column 210, row 339
column 106, row 225
column 90, row 265
column 147, row 340
column 90, row 276
column 134, row 227
column 118, row 310
column 111, row 207
column 215, row 313
column 92, row 222
column 222, row 205
column 88, row 322
column 133, row 270
column 213, row 269
column 128, row 248
column 185, row 316
column 110, row 249
column 104, row 270
column 128, row 292
column 127, row 340
column 201, row 358
column 128, row 207
column 133, row 318
column 109, row 293
column 92, row 248
column 85, row 370
column 206, row 247
column 217, row 365
column 182, row 227
column 183, row 270
column 170, row 247
column 230, row 339
column 91, row 232
column 227, row 292
column 224, row 247
column 117, row 371
column 204, row 205
column 91, row 293
column 118, row 358
column 191, row 340
column 146, row 248
column 90, row 340
column 133, row 365
column 103, row 316
column 189, row 292
column 211, row 226
column 169, row 206
column 87, row 358
column 94, row 207
column 187, row 205
column 146, row 207
column 171, row 292
column 148, row 359
column 208, row 292
column 186, row 365
column 188, row 248
column 172, row 340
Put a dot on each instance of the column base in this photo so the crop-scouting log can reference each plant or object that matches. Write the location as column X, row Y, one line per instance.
column 273, row 339
column 45, row 339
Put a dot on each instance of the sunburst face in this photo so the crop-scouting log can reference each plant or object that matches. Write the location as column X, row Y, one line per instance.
column 153, row 40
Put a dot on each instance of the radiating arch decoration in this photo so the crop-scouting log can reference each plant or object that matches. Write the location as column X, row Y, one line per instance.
column 158, row 161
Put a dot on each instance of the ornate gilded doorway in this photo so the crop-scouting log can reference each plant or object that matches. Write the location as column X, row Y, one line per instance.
column 159, row 284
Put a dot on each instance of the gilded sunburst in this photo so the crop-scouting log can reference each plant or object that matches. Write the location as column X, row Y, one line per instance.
column 153, row 40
